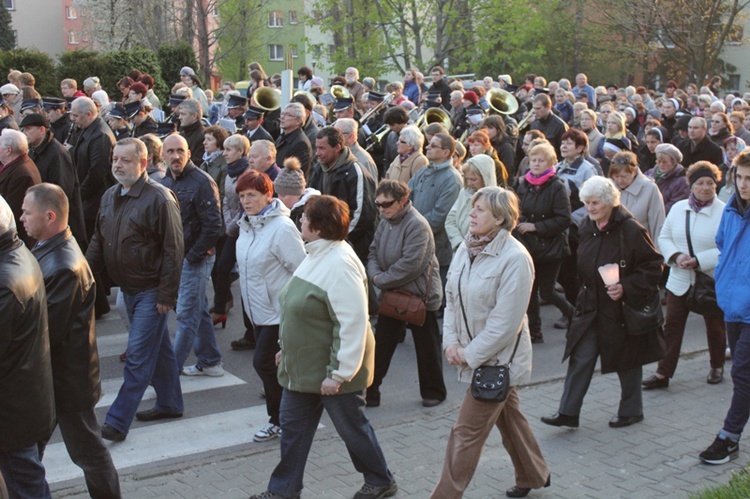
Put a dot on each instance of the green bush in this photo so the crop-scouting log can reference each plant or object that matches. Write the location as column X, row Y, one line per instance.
column 737, row 488
column 80, row 64
column 35, row 62
column 174, row 57
column 121, row 62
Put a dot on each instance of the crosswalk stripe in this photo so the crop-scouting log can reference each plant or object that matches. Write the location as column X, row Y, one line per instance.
column 190, row 384
column 111, row 344
column 167, row 440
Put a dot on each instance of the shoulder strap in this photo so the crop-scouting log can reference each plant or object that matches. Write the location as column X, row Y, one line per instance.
column 429, row 281
column 687, row 233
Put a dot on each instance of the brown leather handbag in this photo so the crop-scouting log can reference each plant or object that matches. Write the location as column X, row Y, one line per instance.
column 405, row 306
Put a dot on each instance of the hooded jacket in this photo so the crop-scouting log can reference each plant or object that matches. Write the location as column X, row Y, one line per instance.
column 733, row 241
column 269, row 250
column 457, row 221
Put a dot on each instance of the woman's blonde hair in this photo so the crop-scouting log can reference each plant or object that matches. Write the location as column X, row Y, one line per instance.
column 503, row 205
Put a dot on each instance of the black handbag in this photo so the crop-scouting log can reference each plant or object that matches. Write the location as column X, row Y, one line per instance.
column 645, row 317
column 701, row 297
column 488, row 383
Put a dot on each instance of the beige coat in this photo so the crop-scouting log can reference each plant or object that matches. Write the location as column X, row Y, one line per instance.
column 643, row 199
column 404, row 172
column 496, row 288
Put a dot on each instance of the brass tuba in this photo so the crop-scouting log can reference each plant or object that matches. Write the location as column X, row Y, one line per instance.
column 340, row 92
column 267, row 99
column 501, row 101
column 433, row 115
column 307, row 95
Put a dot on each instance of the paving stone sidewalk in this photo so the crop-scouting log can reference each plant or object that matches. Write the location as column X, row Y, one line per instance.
column 653, row 459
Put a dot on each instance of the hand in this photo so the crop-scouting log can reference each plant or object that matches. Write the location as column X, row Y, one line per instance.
column 525, row 227
column 691, row 263
column 454, row 354
column 163, row 309
column 278, row 358
column 330, row 387
column 615, row 291
column 684, row 261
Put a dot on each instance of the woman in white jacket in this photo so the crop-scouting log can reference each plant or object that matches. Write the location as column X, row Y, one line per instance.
column 488, row 289
column 269, row 250
column 479, row 172
column 703, row 211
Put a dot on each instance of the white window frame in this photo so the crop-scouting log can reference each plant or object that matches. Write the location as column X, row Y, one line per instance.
column 12, row 4
column 72, row 38
column 275, row 52
column 70, row 12
column 276, row 19
column 295, row 52
column 293, row 17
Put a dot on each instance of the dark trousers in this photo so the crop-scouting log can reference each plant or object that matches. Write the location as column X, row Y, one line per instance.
column 545, row 277
column 568, row 277
column 428, row 345
column 581, row 366
column 674, row 331
column 83, row 441
column 222, row 274
column 264, row 362
column 738, row 334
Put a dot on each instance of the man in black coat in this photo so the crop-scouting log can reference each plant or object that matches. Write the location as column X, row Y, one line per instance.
column 57, row 113
column 191, row 127
column 547, row 122
column 27, row 404
column 439, row 84
column 56, row 167
column 142, row 121
column 71, row 294
column 253, row 129
column 700, row 147
column 293, row 141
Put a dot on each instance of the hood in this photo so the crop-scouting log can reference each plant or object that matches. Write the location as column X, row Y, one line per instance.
column 309, row 192
column 345, row 157
column 486, row 167
column 275, row 209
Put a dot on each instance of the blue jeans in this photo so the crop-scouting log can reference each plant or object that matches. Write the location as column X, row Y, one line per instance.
column 150, row 360
column 738, row 335
column 195, row 329
column 24, row 473
column 300, row 415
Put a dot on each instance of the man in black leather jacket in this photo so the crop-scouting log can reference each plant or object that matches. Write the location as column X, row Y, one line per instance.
column 27, row 405
column 138, row 238
column 72, row 334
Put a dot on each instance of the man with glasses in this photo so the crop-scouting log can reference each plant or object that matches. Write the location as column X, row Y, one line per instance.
column 293, row 141
column 434, row 189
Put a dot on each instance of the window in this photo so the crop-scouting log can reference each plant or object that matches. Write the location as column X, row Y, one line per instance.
column 275, row 19
column 293, row 17
column 70, row 12
column 215, row 10
column 275, row 52
column 10, row 4
column 294, row 52
column 72, row 38
column 734, row 82
column 85, row 37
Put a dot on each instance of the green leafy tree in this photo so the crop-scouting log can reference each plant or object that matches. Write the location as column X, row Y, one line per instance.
column 120, row 62
column 35, row 62
column 238, row 36
column 7, row 36
column 174, row 57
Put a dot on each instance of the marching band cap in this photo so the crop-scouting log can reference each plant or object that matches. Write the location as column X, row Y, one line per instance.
column 132, row 108
column 236, row 101
column 9, row 89
column 375, row 96
column 70, row 100
column 34, row 119
column 30, row 103
column 342, row 103
column 164, row 129
column 53, row 103
column 175, row 100
column 253, row 113
column 118, row 111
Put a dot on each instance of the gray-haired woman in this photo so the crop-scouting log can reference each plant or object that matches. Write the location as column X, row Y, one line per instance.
column 410, row 157
column 669, row 175
column 610, row 234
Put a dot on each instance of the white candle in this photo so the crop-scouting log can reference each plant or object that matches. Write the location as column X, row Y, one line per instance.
column 610, row 273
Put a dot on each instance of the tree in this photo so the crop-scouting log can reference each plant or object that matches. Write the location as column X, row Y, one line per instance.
column 172, row 58
column 678, row 37
column 237, row 36
column 7, row 35
column 35, row 62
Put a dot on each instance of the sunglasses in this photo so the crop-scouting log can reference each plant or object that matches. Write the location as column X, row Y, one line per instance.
column 385, row 204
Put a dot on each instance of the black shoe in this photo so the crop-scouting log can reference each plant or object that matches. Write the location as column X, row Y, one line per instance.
column 516, row 491
column 242, row 344
column 655, row 382
column 715, row 376
column 431, row 402
column 372, row 398
column 372, row 492
column 721, row 451
column 561, row 420
column 111, row 433
column 155, row 414
column 536, row 336
column 562, row 323
column 623, row 421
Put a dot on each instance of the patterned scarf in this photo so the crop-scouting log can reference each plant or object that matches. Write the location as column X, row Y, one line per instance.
column 699, row 205
column 476, row 244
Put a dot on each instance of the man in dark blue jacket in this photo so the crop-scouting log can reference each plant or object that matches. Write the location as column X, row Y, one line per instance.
column 198, row 196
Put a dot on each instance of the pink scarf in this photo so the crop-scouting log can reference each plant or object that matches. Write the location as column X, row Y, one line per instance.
column 537, row 180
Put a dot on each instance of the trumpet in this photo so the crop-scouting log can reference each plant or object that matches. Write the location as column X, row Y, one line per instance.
column 377, row 137
column 387, row 100
column 526, row 120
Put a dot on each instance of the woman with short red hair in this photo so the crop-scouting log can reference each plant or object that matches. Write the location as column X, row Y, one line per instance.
column 479, row 143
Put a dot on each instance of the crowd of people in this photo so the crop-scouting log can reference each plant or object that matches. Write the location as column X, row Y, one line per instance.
column 475, row 202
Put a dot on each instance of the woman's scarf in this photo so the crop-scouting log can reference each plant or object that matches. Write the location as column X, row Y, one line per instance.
column 476, row 244
column 537, row 180
column 210, row 156
column 697, row 205
column 237, row 168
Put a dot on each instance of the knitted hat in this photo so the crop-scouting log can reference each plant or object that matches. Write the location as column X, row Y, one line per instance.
column 471, row 96
column 290, row 180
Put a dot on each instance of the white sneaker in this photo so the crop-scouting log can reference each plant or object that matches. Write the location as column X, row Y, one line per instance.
column 197, row 370
column 267, row 433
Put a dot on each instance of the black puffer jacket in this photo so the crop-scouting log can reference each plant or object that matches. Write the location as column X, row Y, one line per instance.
column 27, row 405
column 71, row 293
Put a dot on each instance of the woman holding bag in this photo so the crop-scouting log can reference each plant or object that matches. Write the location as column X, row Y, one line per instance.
column 488, row 289
column 698, row 218
column 402, row 258
column 610, row 234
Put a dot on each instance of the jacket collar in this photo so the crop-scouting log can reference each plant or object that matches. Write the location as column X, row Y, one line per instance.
column 321, row 246
column 36, row 151
column 9, row 240
column 137, row 188
column 40, row 250
column 190, row 166
column 398, row 218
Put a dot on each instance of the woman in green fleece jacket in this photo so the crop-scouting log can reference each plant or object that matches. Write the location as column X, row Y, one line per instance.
column 327, row 354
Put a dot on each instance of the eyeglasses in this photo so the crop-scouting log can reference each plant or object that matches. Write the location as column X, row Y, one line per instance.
column 385, row 204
